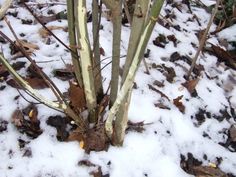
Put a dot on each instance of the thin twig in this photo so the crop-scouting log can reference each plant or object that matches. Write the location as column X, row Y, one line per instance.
column 47, row 80
column 46, row 28
column 203, row 39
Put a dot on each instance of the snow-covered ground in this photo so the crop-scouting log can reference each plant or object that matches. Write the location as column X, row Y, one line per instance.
column 169, row 134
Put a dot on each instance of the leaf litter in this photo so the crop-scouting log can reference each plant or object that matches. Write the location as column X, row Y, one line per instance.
column 146, row 106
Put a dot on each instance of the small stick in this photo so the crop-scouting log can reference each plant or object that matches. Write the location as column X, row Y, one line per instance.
column 203, row 39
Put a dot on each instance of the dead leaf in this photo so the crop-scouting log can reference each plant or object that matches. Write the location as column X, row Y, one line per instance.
column 3, row 71
column 44, row 33
column 169, row 73
column 35, row 83
column 76, row 135
column 77, row 97
column 173, row 39
column 206, row 171
column 160, row 41
column 3, row 125
column 232, row 133
column 102, row 51
column 32, row 71
column 13, row 84
column 27, row 45
column 161, row 106
column 177, row 102
column 158, row 83
column 60, row 123
column 64, row 74
column 32, row 112
column 191, row 85
column 31, row 128
column 97, row 172
column 135, row 126
column 96, row 139
column 223, row 56
column 18, row 65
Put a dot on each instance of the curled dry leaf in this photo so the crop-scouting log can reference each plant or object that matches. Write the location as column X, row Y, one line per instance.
column 191, row 85
column 77, row 97
column 44, row 33
column 28, row 126
column 177, row 102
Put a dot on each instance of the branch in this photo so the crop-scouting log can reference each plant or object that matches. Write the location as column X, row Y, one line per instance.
column 134, row 66
column 72, row 39
column 4, row 8
column 203, row 39
column 86, row 59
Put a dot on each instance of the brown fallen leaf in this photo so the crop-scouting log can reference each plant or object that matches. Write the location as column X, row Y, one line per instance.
column 44, row 33
column 60, row 123
column 3, row 71
column 161, row 106
column 191, row 85
column 135, row 126
column 32, row 112
column 35, row 83
column 17, row 118
column 223, row 56
column 29, row 127
column 232, row 133
column 28, row 45
column 206, row 171
column 77, row 97
column 97, row 172
column 65, row 73
column 102, row 51
column 177, row 102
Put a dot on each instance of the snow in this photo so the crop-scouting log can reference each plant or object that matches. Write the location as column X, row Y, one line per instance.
column 169, row 133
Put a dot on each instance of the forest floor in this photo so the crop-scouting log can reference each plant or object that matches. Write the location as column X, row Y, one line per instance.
column 177, row 128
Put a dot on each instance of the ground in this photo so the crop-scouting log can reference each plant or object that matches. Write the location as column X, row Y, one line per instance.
column 188, row 127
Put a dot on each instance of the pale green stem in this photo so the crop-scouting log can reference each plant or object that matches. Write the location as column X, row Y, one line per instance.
column 73, row 43
column 86, row 60
column 116, row 19
column 134, row 66
column 96, row 49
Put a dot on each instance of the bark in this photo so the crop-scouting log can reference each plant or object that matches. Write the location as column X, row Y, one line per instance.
column 116, row 19
column 134, row 66
column 73, row 43
column 86, row 60
column 4, row 8
column 96, row 49
column 139, row 18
